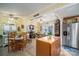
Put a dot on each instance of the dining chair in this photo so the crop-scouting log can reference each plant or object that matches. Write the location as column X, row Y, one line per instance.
column 11, row 41
column 22, row 43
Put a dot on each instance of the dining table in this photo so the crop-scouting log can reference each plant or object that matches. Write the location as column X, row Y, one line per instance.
column 18, row 42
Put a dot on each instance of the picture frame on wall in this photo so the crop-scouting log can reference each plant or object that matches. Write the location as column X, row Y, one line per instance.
column 31, row 27
column 22, row 26
column 18, row 28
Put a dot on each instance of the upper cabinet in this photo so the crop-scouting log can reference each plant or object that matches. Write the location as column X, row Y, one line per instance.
column 72, row 19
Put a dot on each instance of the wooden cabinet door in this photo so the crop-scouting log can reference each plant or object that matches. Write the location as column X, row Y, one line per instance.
column 55, row 48
column 43, row 48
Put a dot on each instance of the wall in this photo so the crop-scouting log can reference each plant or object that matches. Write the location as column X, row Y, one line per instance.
column 4, row 20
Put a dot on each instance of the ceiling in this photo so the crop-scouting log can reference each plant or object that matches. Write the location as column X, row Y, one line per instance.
column 22, row 9
column 72, row 10
column 27, row 9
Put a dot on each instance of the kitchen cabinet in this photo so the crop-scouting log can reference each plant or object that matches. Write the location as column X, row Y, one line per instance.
column 48, row 47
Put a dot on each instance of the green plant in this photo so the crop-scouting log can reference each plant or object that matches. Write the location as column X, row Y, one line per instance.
column 1, row 36
column 50, row 33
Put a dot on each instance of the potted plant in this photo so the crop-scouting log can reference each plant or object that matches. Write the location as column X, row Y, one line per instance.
column 49, row 35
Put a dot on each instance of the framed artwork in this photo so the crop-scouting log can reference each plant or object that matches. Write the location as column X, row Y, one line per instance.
column 22, row 26
column 18, row 28
column 31, row 27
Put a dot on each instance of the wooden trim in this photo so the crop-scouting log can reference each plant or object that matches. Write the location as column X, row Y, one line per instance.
column 70, row 17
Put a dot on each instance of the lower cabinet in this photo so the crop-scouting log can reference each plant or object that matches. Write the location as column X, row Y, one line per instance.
column 44, row 48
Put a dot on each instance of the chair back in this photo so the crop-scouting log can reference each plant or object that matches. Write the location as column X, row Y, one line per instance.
column 11, row 40
column 24, row 36
column 12, row 35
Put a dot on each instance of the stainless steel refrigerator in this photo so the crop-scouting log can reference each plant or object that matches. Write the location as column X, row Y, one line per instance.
column 72, row 35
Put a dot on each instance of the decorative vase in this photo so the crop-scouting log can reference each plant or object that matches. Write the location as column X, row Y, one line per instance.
column 49, row 37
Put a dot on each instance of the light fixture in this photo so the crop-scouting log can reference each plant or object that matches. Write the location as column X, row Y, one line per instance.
column 11, row 16
column 11, row 19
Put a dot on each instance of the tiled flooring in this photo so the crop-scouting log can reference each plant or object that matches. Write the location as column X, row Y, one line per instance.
column 19, row 53
column 72, row 51
column 64, row 53
column 30, row 50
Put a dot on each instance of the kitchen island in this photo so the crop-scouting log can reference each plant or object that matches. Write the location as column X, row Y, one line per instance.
column 48, row 47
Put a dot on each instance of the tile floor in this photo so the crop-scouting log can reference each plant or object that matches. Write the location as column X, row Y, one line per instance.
column 28, row 51
column 72, row 51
